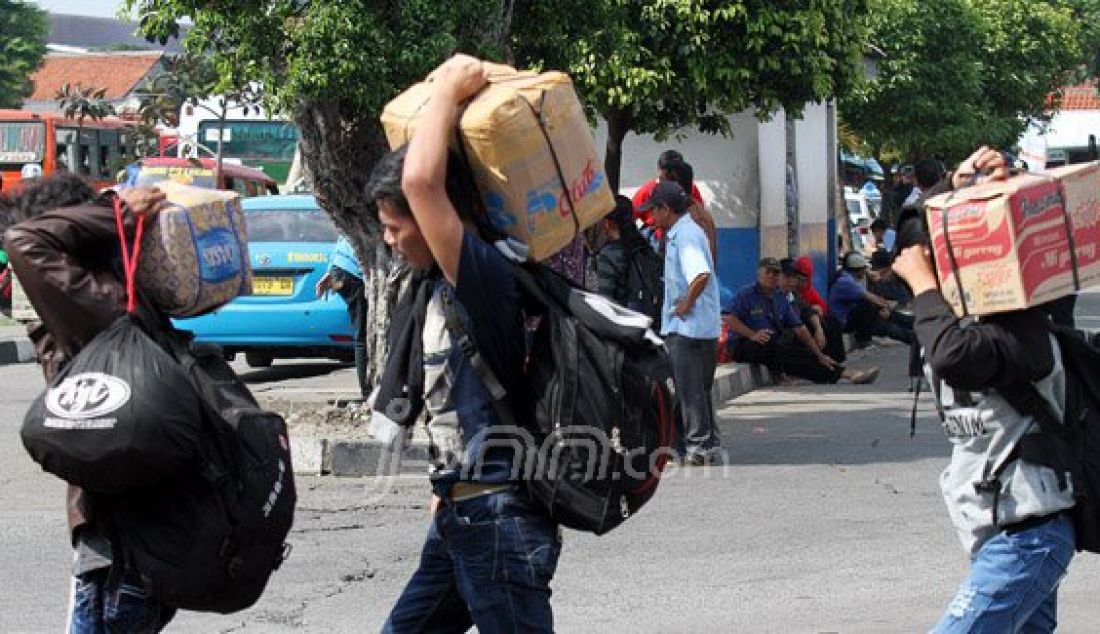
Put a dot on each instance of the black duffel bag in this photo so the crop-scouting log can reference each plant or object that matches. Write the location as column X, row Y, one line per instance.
column 121, row 415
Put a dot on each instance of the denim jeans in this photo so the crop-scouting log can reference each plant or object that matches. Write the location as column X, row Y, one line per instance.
column 101, row 604
column 486, row 562
column 1013, row 582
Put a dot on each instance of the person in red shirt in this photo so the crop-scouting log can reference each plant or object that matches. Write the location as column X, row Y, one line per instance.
column 667, row 159
column 805, row 267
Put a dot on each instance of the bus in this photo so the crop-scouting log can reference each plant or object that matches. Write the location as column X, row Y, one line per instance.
column 253, row 139
column 97, row 150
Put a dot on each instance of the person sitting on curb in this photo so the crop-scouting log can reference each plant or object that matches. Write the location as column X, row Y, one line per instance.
column 767, row 330
column 862, row 312
column 794, row 280
column 883, row 282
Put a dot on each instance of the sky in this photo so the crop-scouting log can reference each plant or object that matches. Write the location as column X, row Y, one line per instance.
column 98, row 8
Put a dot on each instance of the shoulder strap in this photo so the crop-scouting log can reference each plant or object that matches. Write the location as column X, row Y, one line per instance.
column 489, row 379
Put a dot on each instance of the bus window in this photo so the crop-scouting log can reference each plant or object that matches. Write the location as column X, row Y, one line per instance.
column 66, row 149
column 110, row 160
column 22, row 142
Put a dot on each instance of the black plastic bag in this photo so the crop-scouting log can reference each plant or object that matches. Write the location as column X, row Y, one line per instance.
column 122, row 415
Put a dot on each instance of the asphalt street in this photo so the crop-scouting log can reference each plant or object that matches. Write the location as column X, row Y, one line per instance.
column 827, row 517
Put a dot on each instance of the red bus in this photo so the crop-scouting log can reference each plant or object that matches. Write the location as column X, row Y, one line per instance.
column 96, row 149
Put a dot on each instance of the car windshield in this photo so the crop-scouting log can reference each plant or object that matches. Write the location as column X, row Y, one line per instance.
column 289, row 225
column 194, row 176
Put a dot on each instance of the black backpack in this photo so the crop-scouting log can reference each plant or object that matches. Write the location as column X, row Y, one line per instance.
column 600, row 395
column 211, row 539
column 645, row 271
column 1071, row 446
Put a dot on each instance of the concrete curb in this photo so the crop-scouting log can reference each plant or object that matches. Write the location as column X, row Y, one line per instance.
column 360, row 458
column 16, row 351
column 354, row 458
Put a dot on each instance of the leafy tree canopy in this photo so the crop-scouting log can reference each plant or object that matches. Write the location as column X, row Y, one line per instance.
column 653, row 67
column 23, row 30
column 967, row 73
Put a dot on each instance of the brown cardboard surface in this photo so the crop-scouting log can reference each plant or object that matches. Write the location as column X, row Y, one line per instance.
column 531, row 152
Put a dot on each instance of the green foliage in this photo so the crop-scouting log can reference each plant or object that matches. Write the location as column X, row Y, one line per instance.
column 80, row 103
column 653, row 67
column 965, row 74
column 355, row 52
column 23, row 29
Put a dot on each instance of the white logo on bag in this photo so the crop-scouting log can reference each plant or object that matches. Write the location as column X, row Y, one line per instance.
column 88, row 395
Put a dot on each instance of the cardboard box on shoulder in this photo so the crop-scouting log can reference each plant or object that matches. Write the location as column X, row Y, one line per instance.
column 531, row 152
column 194, row 254
column 1008, row 244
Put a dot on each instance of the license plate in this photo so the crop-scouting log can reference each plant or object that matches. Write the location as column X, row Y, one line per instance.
column 272, row 286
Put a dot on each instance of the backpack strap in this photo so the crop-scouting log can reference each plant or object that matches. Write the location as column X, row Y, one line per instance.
column 497, row 392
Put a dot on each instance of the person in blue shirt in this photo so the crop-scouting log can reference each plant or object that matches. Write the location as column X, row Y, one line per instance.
column 768, row 330
column 346, row 278
column 491, row 551
column 862, row 312
column 690, row 319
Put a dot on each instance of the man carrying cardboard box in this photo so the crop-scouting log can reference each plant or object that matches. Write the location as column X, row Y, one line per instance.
column 1014, row 525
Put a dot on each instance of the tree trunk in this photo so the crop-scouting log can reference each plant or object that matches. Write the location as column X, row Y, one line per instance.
column 618, row 124
column 339, row 149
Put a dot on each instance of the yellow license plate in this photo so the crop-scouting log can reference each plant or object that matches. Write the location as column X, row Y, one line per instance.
column 272, row 286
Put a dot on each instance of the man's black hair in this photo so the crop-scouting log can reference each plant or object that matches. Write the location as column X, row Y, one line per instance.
column 928, row 172
column 60, row 189
column 667, row 158
column 385, row 184
column 879, row 223
column 683, row 173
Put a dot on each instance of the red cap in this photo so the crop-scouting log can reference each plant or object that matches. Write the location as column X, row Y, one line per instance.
column 804, row 266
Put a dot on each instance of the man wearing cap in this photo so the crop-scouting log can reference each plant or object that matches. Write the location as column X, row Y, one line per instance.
column 768, row 330
column 690, row 321
column 862, row 312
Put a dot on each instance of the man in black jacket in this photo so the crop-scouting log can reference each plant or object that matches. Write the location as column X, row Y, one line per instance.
column 1010, row 514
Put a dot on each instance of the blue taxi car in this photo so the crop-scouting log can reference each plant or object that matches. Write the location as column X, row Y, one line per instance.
column 290, row 241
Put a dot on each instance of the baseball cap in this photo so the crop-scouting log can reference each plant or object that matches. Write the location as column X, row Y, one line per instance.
column 666, row 193
column 786, row 265
column 855, row 260
column 769, row 263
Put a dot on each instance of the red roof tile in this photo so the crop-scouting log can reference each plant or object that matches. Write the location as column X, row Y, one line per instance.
column 119, row 73
column 1081, row 97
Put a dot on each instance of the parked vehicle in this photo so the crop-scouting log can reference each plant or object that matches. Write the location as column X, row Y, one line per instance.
column 860, row 216
column 290, row 241
column 48, row 142
column 200, row 173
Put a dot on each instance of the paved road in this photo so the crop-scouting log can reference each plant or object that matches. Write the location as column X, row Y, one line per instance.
column 826, row 519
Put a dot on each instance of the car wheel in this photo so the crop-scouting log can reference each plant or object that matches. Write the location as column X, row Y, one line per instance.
column 257, row 360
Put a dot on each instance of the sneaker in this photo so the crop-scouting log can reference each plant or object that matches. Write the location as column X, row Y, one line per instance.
column 695, row 460
column 865, row 376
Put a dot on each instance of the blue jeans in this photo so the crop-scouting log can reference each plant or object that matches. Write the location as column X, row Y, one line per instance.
column 101, row 604
column 487, row 562
column 1013, row 582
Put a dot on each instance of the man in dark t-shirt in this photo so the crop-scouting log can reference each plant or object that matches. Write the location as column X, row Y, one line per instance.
column 490, row 552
